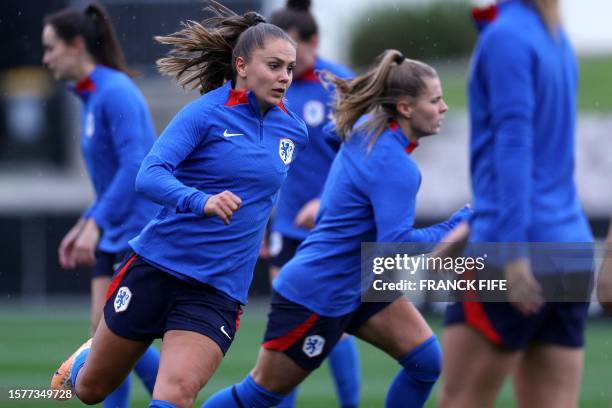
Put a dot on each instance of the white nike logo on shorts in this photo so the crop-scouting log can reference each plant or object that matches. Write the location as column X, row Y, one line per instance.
column 224, row 332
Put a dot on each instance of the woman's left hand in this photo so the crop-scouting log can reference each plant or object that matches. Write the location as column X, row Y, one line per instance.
column 307, row 215
column 84, row 250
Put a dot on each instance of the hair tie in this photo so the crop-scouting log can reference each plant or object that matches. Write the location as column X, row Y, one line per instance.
column 252, row 18
column 399, row 59
column 91, row 12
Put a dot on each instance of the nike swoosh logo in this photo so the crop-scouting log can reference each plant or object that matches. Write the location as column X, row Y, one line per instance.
column 224, row 332
column 225, row 134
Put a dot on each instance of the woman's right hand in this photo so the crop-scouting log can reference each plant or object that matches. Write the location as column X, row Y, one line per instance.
column 64, row 252
column 524, row 291
column 223, row 205
column 453, row 244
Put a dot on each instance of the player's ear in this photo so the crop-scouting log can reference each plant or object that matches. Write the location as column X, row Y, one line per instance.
column 404, row 108
column 241, row 67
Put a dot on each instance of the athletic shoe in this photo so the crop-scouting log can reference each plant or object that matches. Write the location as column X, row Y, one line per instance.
column 62, row 379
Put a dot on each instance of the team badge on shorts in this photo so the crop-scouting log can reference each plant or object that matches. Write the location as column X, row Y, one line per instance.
column 285, row 150
column 313, row 345
column 122, row 300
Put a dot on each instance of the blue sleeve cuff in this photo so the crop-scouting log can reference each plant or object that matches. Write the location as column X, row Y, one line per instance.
column 463, row 215
column 193, row 203
column 100, row 221
column 88, row 212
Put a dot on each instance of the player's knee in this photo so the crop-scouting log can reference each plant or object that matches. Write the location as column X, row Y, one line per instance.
column 443, row 400
column 424, row 363
column 266, row 381
column 91, row 393
column 274, row 383
column 446, row 396
column 181, row 390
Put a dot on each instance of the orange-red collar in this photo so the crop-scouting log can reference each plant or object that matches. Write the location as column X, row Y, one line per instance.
column 241, row 96
column 85, row 85
column 237, row 97
column 309, row 75
column 394, row 126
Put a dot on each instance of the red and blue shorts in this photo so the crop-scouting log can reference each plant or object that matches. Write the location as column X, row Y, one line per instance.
column 143, row 302
column 504, row 326
column 307, row 337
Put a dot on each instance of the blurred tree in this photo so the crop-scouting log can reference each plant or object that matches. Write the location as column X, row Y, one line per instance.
column 440, row 30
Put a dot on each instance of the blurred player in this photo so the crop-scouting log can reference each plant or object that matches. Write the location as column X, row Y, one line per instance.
column 604, row 280
column 217, row 169
column 299, row 197
column 369, row 195
column 522, row 91
column 116, row 134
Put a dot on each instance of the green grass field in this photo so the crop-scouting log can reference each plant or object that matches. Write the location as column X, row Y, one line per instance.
column 33, row 342
column 595, row 93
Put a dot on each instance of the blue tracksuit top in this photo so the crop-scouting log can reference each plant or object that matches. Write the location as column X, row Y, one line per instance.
column 116, row 134
column 218, row 142
column 522, row 101
column 368, row 197
column 305, row 180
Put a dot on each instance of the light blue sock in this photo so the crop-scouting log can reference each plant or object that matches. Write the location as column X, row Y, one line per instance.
column 146, row 368
column 289, row 400
column 120, row 398
column 245, row 394
column 412, row 385
column 344, row 365
column 161, row 404
column 77, row 364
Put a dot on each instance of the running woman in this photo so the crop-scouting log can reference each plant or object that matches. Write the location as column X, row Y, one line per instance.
column 299, row 198
column 522, row 103
column 216, row 169
column 370, row 195
column 116, row 134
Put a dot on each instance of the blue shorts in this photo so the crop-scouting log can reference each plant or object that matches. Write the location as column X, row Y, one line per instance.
column 504, row 326
column 306, row 337
column 288, row 248
column 143, row 302
column 107, row 263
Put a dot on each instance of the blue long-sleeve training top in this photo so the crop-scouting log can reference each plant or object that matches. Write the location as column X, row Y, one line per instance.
column 116, row 134
column 368, row 197
column 218, row 142
column 308, row 98
column 522, row 101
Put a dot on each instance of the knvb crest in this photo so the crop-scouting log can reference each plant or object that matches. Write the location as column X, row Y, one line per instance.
column 90, row 126
column 314, row 113
column 122, row 299
column 313, row 345
column 285, row 150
